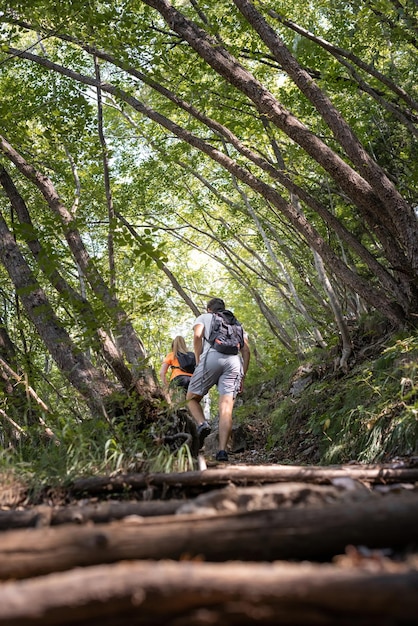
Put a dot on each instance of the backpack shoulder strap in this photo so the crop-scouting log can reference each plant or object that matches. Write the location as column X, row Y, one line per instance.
column 177, row 367
column 212, row 323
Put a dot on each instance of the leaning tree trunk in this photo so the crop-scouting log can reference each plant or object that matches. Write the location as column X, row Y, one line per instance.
column 78, row 303
column 347, row 345
column 130, row 343
column 378, row 206
column 21, row 398
column 393, row 211
column 80, row 372
column 100, row 393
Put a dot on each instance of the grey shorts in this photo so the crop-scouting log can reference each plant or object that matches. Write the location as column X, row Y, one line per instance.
column 223, row 370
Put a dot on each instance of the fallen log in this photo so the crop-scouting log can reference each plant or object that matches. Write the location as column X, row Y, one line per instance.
column 230, row 498
column 98, row 513
column 308, row 533
column 193, row 594
column 246, row 474
column 273, row 496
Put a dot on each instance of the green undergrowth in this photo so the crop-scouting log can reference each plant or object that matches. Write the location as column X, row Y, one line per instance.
column 369, row 414
column 91, row 447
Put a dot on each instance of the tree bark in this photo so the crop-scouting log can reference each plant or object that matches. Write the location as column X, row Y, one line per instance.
column 130, row 343
column 100, row 513
column 306, row 533
column 81, row 307
column 89, row 382
column 197, row 594
column 394, row 211
column 246, row 475
column 228, row 499
column 347, row 343
column 106, row 175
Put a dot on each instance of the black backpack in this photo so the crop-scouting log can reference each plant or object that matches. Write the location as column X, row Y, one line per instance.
column 226, row 333
column 186, row 361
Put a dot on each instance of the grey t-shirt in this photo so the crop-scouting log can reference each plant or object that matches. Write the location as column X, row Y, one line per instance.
column 206, row 320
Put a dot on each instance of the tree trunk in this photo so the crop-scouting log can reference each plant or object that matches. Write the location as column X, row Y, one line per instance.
column 81, row 307
column 347, row 344
column 90, row 383
column 17, row 399
column 100, row 513
column 131, row 345
column 231, row 594
column 237, row 474
column 394, row 211
column 307, row 533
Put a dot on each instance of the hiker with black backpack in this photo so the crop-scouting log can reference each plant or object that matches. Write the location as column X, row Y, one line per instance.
column 181, row 362
column 222, row 358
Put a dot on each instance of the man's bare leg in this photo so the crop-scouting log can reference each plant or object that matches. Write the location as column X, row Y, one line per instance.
column 195, row 408
column 226, row 404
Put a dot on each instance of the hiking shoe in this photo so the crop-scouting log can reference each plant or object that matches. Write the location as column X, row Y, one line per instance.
column 222, row 455
column 203, row 430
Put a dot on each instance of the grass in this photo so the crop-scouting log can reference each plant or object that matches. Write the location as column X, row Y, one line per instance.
column 91, row 447
column 368, row 415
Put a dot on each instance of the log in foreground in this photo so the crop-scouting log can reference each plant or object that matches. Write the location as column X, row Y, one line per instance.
column 247, row 474
column 193, row 594
column 230, row 498
column 310, row 533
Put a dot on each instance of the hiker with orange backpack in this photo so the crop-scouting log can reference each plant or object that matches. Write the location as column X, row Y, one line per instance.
column 182, row 362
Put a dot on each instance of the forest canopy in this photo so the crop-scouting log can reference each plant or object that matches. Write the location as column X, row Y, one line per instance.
column 155, row 154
